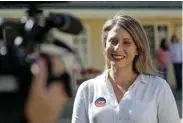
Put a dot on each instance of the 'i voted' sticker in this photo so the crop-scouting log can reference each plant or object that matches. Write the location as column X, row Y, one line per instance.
column 100, row 102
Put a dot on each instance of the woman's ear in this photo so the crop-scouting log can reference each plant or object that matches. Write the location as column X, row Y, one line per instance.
column 137, row 52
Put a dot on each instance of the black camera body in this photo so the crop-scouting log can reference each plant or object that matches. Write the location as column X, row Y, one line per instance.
column 17, row 57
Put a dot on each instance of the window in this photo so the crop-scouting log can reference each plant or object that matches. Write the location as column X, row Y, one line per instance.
column 150, row 31
column 162, row 32
column 155, row 33
column 81, row 45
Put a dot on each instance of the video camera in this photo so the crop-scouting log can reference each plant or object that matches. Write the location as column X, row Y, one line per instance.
column 16, row 58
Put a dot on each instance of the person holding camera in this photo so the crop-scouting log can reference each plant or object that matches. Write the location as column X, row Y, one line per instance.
column 46, row 99
column 45, row 104
column 130, row 90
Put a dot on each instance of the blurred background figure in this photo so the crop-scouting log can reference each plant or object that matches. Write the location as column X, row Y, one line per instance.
column 163, row 58
column 176, row 56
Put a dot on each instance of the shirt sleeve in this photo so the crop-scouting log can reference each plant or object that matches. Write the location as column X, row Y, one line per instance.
column 167, row 108
column 79, row 114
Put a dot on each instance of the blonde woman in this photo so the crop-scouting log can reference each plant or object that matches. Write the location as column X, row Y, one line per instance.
column 129, row 91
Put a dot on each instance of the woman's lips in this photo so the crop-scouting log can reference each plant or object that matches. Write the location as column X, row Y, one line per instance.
column 117, row 57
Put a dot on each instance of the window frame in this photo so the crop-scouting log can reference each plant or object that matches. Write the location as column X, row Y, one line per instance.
column 88, row 44
column 156, row 37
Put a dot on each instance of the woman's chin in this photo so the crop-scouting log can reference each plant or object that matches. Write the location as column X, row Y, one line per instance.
column 118, row 65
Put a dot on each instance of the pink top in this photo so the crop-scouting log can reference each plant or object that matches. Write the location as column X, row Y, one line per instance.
column 162, row 58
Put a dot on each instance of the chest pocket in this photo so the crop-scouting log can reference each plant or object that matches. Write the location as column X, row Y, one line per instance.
column 140, row 111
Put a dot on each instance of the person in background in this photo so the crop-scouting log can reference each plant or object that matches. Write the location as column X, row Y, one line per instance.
column 163, row 58
column 176, row 57
column 130, row 89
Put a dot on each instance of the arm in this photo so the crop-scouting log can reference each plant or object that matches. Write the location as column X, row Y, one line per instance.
column 167, row 108
column 79, row 110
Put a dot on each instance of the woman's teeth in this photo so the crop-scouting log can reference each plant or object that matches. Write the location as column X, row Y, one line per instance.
column 117, row 57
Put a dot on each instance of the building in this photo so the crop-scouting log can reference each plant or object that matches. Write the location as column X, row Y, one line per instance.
column 160, row 19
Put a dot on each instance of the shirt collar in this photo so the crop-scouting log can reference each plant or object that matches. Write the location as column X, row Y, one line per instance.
column 143, row 78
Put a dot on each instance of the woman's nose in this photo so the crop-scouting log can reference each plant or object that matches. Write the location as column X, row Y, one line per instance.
column 118, row 48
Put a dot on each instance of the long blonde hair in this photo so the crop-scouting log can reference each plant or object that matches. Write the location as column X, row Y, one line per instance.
column 142, row 62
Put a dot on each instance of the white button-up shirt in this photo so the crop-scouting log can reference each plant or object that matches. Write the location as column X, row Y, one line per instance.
column 148, row 100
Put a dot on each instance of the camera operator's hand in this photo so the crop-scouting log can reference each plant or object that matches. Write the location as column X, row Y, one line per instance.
column 45, row 104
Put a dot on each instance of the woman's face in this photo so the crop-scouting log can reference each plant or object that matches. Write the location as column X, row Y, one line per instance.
column 120, row 48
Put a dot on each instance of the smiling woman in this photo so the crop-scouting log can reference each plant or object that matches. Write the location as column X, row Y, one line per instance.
column 130, row 89
column 135, row 33
column 120, row 48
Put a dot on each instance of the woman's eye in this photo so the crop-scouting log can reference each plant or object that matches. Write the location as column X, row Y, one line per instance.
column 114, row 41
column 127, row 42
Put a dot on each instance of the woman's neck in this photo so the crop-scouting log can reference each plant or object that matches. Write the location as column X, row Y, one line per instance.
column 122, row 76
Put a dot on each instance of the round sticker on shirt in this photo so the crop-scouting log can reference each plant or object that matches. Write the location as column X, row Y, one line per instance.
column 100, row 102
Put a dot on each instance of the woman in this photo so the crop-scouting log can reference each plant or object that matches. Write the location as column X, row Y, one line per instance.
column 129, row 90
column 176, row 53
column 163, row 58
